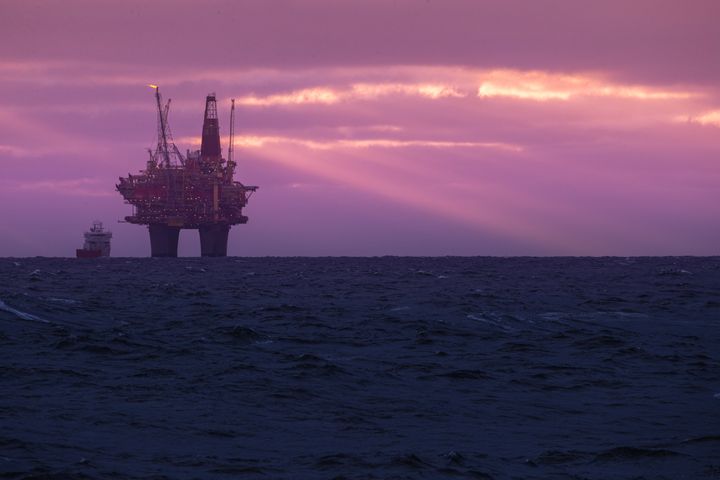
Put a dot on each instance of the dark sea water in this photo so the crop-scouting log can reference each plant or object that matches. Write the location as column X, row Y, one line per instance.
column 360, row 368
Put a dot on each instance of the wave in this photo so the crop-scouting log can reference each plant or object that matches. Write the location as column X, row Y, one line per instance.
column 20, row 314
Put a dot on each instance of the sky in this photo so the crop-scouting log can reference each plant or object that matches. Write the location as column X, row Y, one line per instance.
column 374, row 127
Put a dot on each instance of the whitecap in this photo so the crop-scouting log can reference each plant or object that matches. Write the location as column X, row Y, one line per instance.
column 491, row 319
column 194, row 269
column 62, row 300
column 23, row 315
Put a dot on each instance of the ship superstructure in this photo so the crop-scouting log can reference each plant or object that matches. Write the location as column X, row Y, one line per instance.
column 195, row 191
column 97, row 242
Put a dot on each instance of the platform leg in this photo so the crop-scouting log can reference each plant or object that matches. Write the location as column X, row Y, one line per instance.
column 213, row 240
column 163, row 240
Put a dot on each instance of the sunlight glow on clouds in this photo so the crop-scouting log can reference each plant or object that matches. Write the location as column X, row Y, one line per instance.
column 361, row 91
column 710, row 118
column 442, row 83
column 427, row 90
column 259, row 141
column 542, row 86
column 308, row 95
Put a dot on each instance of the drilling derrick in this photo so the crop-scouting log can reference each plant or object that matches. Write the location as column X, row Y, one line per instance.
column 210, row 146
column 193, row 192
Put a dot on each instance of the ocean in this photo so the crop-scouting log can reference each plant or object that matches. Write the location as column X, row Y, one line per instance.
column 360, row 368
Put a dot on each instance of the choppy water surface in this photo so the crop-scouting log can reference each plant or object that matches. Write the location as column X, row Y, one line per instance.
column 319, row 368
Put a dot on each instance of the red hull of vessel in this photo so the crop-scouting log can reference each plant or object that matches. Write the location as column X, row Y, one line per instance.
column 82, row 253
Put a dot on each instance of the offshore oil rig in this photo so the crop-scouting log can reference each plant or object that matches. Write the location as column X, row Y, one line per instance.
column 195, row 191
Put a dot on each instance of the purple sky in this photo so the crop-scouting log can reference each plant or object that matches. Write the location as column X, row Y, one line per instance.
column 430, row 127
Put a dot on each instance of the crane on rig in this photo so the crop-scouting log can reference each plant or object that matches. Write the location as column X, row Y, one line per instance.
column 165, row 144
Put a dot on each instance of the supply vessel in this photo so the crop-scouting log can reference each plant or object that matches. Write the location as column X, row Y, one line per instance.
column 192, row 191
column 97, row 242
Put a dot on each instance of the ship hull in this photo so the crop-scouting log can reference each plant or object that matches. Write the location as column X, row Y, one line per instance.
column 83, row 253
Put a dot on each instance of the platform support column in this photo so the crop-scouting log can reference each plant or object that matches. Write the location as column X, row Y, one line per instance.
column 163, row 240
column 214, row 239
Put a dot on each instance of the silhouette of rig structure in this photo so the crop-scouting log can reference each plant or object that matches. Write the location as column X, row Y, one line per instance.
column 195, row 191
